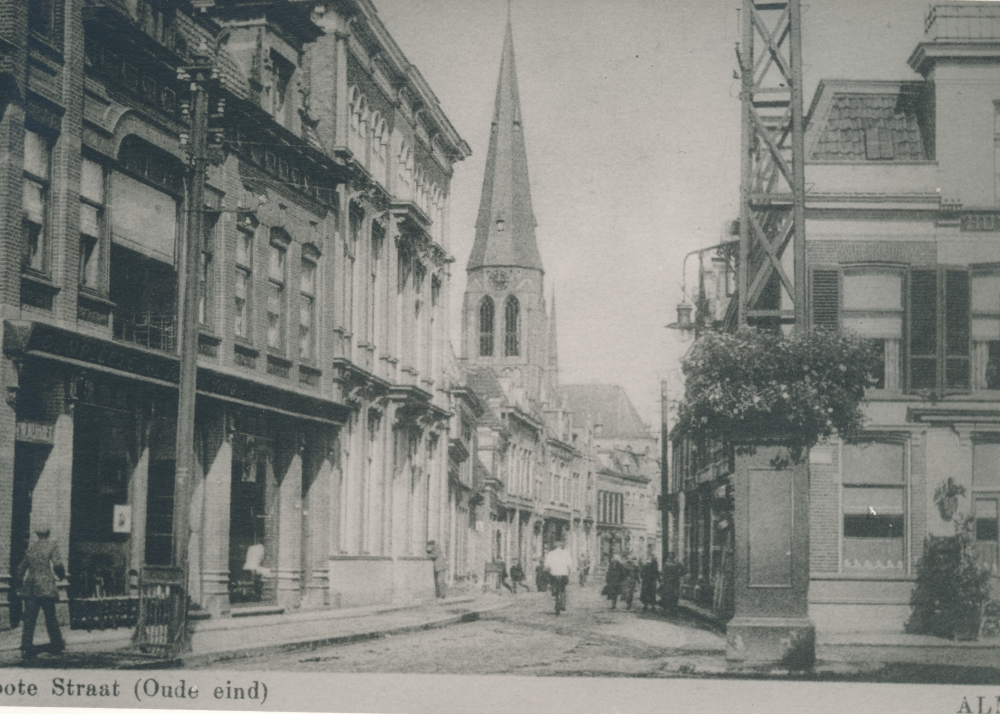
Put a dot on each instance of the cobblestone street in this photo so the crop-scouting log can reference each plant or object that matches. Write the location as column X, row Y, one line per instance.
column 527, row 638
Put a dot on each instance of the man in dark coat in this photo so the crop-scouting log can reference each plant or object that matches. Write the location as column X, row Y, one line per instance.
column 670, row 584
column 517, row 576
column 631, row 581
column 38, row 574
column 440, row 568
column 541, row 577
column 647, row 591
column 614, row 579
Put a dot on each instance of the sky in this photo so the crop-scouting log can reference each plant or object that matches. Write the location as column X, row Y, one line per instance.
column 632, row 123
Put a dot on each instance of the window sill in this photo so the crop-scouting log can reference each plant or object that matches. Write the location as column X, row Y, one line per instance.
column 40, row 281
column 863, row 575
column 93, row 296
column 278, row 359
column 245, row 348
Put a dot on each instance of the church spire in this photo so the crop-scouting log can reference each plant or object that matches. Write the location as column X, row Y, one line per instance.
column 505, row 228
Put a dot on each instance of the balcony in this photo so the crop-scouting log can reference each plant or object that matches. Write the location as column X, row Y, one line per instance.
column 976, row 21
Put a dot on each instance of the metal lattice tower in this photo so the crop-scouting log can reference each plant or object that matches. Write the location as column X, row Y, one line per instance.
column 772, row 180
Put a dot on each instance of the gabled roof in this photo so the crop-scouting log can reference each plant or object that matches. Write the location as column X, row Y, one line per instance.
column 505, row 228
column 607, row 405
column 866, row 120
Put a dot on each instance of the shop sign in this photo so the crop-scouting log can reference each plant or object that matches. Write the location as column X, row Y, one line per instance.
column 35, row 432
column 980, row 222
column 100, row 352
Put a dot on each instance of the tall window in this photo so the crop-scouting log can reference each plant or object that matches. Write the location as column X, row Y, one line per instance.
column 874, row 507
column 92, row 184
column 244, row 282
column 512, row 319
column 207, row 287
column 276, row 289
column 37, row 159
column 42, row 18
column 307, row 309
column 986, row 502
column 486, row 320
column 986, row 328
column 281, row 77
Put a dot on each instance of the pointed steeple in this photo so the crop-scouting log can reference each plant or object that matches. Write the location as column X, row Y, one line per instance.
column 505, row 228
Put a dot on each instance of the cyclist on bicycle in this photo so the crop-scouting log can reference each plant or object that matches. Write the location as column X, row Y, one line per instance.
column 559, row 563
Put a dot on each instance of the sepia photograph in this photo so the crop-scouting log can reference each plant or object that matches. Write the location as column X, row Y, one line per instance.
column 290, row 420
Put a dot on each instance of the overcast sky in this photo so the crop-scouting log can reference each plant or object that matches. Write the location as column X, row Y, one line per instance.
column 631, row 118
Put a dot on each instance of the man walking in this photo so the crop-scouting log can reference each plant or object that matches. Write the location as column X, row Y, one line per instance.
column 558, row 563
column 37, row 574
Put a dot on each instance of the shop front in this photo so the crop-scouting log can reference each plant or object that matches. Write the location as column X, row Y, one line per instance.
column 95, row 459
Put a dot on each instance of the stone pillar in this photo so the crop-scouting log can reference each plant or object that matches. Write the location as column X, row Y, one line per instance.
column 52, row 495
column 289, row 561
column 139, row 498
column 771, row 626
column 316, row 525
column 8, row 420
column 215, row 515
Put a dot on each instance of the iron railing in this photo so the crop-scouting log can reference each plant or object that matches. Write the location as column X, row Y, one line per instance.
column 154, row 330
column 162, row 625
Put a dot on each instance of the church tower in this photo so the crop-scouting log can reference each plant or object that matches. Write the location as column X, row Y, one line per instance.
column 504, row 320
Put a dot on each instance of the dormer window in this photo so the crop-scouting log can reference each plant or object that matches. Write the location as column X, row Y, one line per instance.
column 878, row 144
column 281, row 79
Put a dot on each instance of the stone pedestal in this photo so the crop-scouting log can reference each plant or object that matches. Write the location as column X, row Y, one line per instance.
column 770, row 628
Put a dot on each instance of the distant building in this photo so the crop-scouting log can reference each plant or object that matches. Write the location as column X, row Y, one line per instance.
column 626, row 471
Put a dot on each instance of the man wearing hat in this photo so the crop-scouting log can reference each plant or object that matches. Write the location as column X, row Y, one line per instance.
column 37, row 574
column 440, row 567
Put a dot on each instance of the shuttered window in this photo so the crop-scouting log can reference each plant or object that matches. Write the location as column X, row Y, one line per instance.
column 825, row 299
column 923, row 329
column 940, row 330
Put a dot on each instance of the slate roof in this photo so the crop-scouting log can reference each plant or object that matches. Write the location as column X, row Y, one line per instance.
column 484, row 383
column 607, row 405
column 854, row 120
column 506, row 192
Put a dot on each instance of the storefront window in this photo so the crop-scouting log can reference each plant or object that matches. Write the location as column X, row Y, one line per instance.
column 874, row 507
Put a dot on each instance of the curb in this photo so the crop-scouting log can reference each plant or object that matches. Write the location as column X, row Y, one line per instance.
column 313, row 643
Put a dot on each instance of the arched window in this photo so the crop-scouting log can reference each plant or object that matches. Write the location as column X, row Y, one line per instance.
column 512, row 319
column 486, row 327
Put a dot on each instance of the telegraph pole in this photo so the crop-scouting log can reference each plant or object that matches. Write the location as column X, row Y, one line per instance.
column 665, row 514
column 189, row 279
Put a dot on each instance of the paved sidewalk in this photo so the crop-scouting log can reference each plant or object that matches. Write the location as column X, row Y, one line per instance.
column 228, row 638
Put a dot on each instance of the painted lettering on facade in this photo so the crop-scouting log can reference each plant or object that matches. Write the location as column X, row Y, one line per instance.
column 980, row 222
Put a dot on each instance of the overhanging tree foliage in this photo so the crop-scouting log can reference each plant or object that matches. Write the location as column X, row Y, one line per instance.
column 754, row 386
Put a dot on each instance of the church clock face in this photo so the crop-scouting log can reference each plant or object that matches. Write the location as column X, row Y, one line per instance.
column 499, row 279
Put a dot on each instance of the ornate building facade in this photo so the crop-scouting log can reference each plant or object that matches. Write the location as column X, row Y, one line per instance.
column 322, row 408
